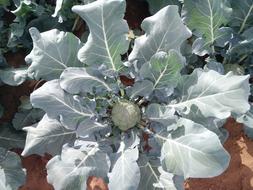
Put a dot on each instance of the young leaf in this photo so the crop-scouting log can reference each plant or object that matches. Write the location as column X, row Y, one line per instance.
column 164, row 31
column 82, row 80
column 12, row 176
column 140, row 88
column 214, row 94
column 107, row 39
column 205, row 17
column 73, row 167
column 214, row 65
column 53, row 51
column 161, row 114
column 73, row 113
column 48, row 136
column 184, row 154
column 163, row 69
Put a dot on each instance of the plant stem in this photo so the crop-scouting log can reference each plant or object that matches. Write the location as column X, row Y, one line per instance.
column 141, row 101
column 225, row 60
column 75, row 24
column 243, row 57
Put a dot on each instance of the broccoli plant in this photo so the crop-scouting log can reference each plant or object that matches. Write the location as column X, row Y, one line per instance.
column 150, row 133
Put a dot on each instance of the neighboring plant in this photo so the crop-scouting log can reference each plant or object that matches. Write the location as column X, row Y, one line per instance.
column 141, row 120
column 222, row 33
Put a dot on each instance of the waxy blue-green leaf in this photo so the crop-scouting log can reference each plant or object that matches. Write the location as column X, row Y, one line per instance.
column 244, row 46
column 149, row 173
column 125, row 173
column 153, row 177
column 204, row 18
column 48, row 136
column 169, row 181
column 211, row 123
column 108, row 33
column 163, row 69
column 183, row 152
column 214, row 65
column 13, row 76
column 53, row 51
column 74, row 112
column 10, row 138
column 71, row 169
column 214, row 94
column 141, row 88
column 82, row 80
column 63, row 8
column 164, row 31
column 242, row 15
column 247, row 120
column 24, row 118
column 12, row 176
column 161, row 114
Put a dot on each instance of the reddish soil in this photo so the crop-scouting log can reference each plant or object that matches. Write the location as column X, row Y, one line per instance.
column 36, row 173
column 239, row 175
column 95, row 183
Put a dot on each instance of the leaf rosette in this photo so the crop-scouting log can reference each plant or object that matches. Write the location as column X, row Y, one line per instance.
column 128, row 135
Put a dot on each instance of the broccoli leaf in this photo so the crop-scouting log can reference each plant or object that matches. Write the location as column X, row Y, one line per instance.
column 183, row 152
column 74, row 112
column 242, row 15
column 72, row 168
column 108, row 33
column 164, row 31
column 81, row 80
column 13, row 76
column 125, row 172
column 24, row 118
column 160, row 114
column 12, row 176
column 204, row 18
column 10, row 138
column 48, row 136
column 151, row 178
column 214, row 94
column 247, row 120
column 53, row 51
column 141, row 88
column 163, row 70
